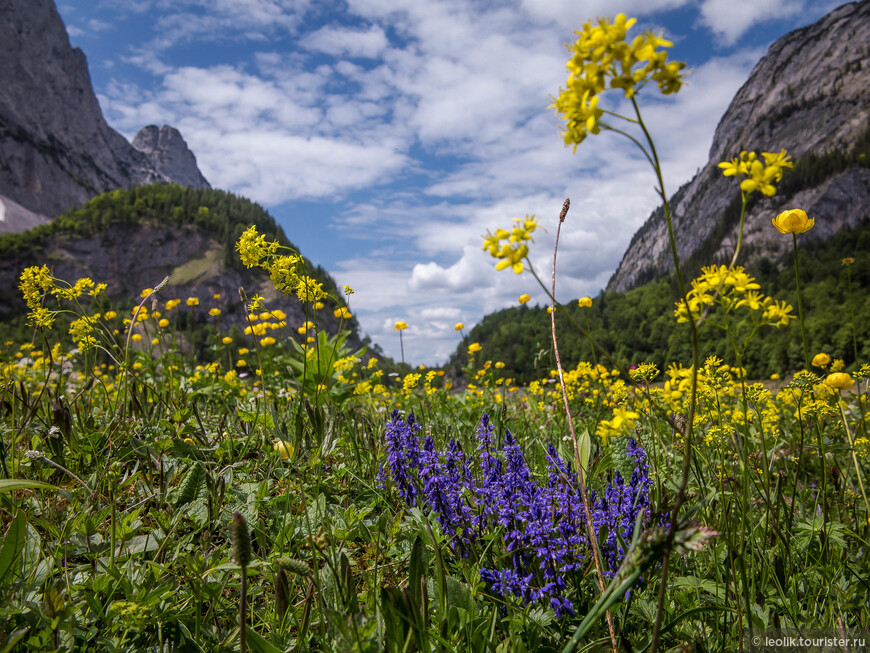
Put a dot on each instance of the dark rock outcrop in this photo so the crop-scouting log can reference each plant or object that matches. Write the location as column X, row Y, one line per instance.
column 810, row 95
column 56, row 149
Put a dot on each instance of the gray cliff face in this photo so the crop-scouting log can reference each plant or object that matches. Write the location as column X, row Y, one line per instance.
column 810, row 95
column 169, row 155
column 56, row 149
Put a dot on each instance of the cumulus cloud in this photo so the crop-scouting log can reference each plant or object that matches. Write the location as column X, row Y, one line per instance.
column 340, row 42
column 729, row 19
column 430, row 121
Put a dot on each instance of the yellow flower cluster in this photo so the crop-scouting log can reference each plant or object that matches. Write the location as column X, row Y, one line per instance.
column 285, row 271
column 760, row 176
column 514, row 249
column 36, row 282
column 622, row 422
column 731, row 288
column 601, row 55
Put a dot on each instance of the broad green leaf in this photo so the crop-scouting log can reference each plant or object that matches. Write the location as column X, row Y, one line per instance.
column 12, row 484
column 13, row 543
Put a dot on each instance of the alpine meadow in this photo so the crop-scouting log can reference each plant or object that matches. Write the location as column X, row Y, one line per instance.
column 220, row 462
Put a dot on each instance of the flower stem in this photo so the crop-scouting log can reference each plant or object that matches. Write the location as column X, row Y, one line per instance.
column 797, row 277
column 593, row 539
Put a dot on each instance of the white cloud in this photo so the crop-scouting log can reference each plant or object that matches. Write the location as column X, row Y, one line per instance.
column 430, row 121
column 577, row 13
column 345, row 42
column 729, row 19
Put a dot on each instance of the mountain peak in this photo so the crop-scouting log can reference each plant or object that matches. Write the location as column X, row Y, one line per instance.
column 169, row 155
column 56, row 149
column 809, row 94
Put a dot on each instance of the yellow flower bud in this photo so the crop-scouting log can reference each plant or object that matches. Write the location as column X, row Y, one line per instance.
column 821, row 360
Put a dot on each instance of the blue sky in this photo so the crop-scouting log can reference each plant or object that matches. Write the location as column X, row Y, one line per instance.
column 386, row 136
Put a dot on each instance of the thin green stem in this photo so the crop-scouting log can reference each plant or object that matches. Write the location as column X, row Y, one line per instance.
column 797, row 276
column 688, row 437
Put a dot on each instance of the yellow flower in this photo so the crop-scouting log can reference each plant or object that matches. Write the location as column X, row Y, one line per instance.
column 601, row 54
column 241, row 363
column 523, row 299
column 774, row 377
column 252, row 247
column 400, row 326
column 459, row 326
column 847, row 261
column 243, row 351
column 623, row 421
column 192, row 301
column 793, row 221
column 227, row 340
column 110, row 315
column 839, row 381
column 473, row 348
column 309, row 290
column 761, row 175
column 163, row 323
column 146, row 292
column 342, row 313
column 268, row 340
column 284, row 448
column 172, row 303
column 584, row 302
column 514, row 250
column 137, row 337
column 214, row 312
column 821, row 360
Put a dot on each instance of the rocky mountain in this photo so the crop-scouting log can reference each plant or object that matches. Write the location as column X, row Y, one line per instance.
column 131, row 239
column 56, row 149
column 810, row 95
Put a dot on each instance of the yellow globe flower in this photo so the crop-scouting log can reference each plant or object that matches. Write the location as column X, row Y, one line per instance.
column 163, row 323
column 821, row 360
column 192, row 301
column 285, row 449
column 523, row 299
column 584, row 302
column 400, row 326
column 214, row 312
column 473, row 348
column 793, row 221
column 459, row 326
column 227, row 340
column 839, row 381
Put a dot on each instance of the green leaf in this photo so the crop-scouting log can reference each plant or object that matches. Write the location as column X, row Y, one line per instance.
column 13, row 639
column 12, row 484
column 13, row 543
column 258, row 644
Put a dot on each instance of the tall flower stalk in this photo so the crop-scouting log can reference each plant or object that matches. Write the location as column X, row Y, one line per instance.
column 602, row 54
column 794, row 222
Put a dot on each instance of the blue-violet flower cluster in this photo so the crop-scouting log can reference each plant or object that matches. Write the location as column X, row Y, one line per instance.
column 542, row 526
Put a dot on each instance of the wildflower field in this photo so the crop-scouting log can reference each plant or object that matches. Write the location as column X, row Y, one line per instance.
column 288, row 492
